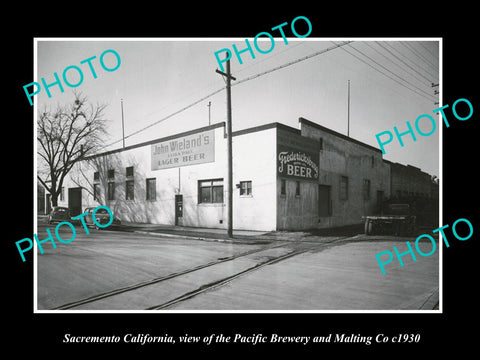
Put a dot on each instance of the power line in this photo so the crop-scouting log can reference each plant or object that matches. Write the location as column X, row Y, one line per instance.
column 373, row 67
column 390, row 71
column 415, row 52
column 427, row 49
column 238, row 71
column 288, row 48
column 236, row 83
column 411, row 60
column 167, row 117
column 429, row 81
column 293, row 62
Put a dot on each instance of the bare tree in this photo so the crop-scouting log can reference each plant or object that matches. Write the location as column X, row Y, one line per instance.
column 101, row 164
column 65, row 136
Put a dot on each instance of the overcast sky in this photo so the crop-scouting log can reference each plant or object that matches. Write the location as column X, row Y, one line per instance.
column 158, row 78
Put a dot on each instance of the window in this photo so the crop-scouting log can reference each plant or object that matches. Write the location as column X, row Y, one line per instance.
column 343, row 188
column 129, row 171
column 366, row 189
column 210, row 191
column 96, row 176
column 110, row 190
column 129, row 190
column 96, row 191
column 297, row 188
column 151, row 189
column 321, row 143
column 373, row 161
column 111, row 174
column 283, row 187
column 245, row 188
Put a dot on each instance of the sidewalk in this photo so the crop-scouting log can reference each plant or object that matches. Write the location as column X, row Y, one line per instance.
column 212, row 234
column 243, row 236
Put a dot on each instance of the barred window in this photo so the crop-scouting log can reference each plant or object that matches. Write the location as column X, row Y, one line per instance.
column 366, row 189
column 151, row 189
column 96, row 191
column 129, row 190
column 111, row 190
column 343, row 188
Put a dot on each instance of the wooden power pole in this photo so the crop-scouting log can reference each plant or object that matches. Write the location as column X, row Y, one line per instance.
column 229, row 77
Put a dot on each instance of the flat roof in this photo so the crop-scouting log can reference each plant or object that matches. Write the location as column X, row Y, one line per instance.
column 154, row 141
column 272, row 125
column 337, row 134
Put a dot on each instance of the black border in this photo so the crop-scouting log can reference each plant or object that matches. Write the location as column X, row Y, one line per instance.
column 439, row 332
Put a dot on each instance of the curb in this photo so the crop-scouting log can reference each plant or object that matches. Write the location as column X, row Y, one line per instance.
column 202, row 238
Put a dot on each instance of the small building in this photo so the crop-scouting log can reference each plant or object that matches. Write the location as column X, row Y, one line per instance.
column 408, row 181
column 353, row 178
column 411, row 185
column 284, row 179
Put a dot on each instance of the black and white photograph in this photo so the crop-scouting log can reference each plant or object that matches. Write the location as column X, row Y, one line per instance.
column 138, row 129
column 224, row 180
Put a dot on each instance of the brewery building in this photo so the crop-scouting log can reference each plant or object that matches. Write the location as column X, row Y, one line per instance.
column 284, row 178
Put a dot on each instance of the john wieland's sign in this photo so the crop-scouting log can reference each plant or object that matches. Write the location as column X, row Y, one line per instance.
column 187, row 150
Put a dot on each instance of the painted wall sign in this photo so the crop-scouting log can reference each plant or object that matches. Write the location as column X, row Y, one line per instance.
column 187, row 150
column 297, row 157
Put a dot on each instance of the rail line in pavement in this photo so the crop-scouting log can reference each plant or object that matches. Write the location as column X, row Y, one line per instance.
column 299, row 248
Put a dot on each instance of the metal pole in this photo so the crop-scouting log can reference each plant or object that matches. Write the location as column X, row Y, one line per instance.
column 348, row 110
column 209, row 104
column 123, row 130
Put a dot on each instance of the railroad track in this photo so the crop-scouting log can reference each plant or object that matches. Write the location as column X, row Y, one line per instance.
column 292, row 249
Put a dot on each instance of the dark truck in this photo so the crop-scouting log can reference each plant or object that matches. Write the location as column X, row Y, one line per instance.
column 396, row 219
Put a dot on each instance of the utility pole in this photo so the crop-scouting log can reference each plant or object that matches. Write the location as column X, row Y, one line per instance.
column 348, row 110
column 229, row 142
column 209, row 104
column 123, row 130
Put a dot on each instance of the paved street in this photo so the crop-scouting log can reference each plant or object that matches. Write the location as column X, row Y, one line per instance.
column 117, row 270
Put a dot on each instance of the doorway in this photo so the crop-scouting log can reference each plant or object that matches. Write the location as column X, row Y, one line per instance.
column 75, row 201
column 179, row 209
column 48, row 204
column 324, row 201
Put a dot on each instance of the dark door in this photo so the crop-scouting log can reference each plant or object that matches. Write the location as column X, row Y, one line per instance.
column 49, row 204
column 178, row 208
column 324, row 201
column 75, row 201
column 379, row 201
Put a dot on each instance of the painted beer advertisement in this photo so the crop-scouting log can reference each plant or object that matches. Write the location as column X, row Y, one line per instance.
column 297, row 157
